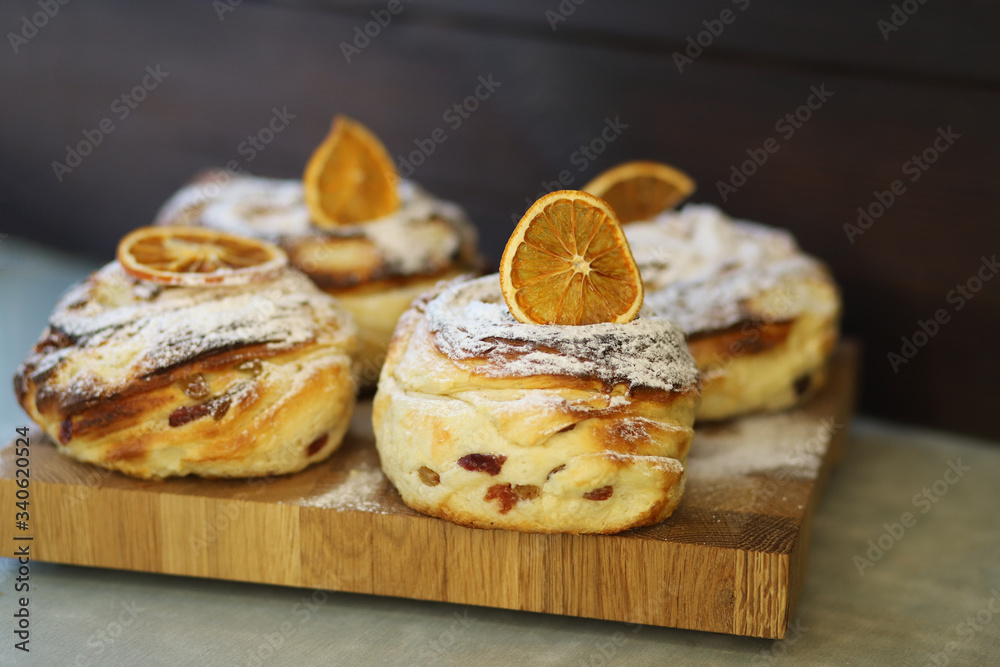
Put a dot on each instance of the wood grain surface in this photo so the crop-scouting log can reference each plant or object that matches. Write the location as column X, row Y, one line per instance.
column 731, row 559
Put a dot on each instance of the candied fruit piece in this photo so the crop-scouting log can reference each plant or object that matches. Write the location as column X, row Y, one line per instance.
column 195, row 386
column 505, row 496
column 487, row 463
column 316, row 445
column 428, row 476
column 602, row 493
column 527, row 491
column 188, row 413
column 220, row 406
column 217, row 407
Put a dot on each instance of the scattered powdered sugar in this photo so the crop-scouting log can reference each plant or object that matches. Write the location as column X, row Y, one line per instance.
column 361, row 490
column 794, row 441
column 409, row 241
column 424, row 232
column 264, row 207
column 123, row 329
column 700, row 267
column 707, row 304
column 619, row 401
column 700, row 241
column 470, row 320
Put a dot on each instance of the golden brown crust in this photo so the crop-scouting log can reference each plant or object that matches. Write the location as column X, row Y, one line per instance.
column 257, row 377
column 760, row 315
column 741, row 338
column 765, row 366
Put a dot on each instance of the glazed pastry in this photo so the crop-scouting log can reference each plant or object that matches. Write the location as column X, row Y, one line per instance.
column 489, row 422
column 375, row 267
column 761, row 316
column 159, row 380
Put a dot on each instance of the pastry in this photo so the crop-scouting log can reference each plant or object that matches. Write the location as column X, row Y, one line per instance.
column 492, row 422
column 218, row 372
column 375, row 267
column 761, row 317
column 488, row 422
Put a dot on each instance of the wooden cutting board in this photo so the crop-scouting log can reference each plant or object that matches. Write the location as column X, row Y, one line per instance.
column 731, row 559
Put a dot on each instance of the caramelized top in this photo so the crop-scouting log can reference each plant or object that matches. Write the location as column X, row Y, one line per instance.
column 112, row 333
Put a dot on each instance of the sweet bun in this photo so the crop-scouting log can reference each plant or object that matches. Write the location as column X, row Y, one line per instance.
column 760, row 316
column 488, row 422
column 375, row 268
column 157, row 381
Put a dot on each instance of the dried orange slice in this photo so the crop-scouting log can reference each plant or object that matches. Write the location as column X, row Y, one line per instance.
column 568, row 262
column 641, row 189
column 350, row 177
column 195, row 256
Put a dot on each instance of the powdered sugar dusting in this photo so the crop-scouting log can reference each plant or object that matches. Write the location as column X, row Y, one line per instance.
column 470, row 320
column 264, row 207
column 721, row 301
column 700, row 267
column 423, row 233
column 791, row 441
column 123, row 330
column 361, row 490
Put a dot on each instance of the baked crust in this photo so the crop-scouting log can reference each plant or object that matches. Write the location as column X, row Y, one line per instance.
column 761, row 317
column 157, row 381
column 524, row 434
column 375, row 268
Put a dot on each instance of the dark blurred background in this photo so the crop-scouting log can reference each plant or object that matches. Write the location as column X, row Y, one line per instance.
column 109, row 106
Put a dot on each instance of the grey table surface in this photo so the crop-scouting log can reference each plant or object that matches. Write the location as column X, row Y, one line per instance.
column 875, row 593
